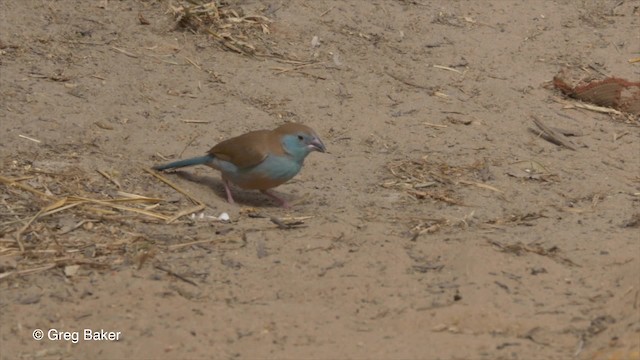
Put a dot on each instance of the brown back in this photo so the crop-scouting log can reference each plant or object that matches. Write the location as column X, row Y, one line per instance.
column 249, row 149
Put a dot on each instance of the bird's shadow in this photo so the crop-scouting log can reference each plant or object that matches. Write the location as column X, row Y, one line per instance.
column 241, row 196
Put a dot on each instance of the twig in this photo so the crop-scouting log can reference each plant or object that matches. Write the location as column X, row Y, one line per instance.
column 25, row 227
column 617, row 137
column 192, row 63
column 178, row 276
column 282, row 71
column 552, row 136
column 579, row 105
column 298, row 67
column 29, row 271
column 76, row 200
column 197, row 242
column 108, row 177
column 10, row 182
column 481, row 185
column 134, row 197
column 30, row 138
column 188, row 144
column 187, row 121
column 282, row 59
column 407, row 82
column 163, row 60
column 519, row 247
column 327, row 11
column 89, row 42
column 448, row 68
column 434, row 125
column 174, row 186
column 184, row 212
column 124, row 52
column 131, row 209
column 599, row 109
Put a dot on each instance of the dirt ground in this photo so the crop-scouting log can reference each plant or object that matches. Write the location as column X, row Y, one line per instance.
column 438, row 226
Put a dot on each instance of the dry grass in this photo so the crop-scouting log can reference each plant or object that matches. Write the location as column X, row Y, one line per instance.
column 424, row 179
column 68, row 218
column 225, row 22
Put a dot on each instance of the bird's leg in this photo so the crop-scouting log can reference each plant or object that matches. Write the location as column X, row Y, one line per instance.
column 227, row 189
column 275, row 197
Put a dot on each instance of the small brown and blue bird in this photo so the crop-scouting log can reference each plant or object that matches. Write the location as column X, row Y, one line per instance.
column 259, row 160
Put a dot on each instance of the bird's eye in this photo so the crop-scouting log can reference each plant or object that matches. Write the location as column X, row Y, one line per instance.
column 300, row 137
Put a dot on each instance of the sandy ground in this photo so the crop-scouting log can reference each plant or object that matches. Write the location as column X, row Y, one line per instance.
column 438, row 227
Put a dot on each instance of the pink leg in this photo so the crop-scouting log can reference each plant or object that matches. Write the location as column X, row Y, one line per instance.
column 227, row 189
column 275, row 197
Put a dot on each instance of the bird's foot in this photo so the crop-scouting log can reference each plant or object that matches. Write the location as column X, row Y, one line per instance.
column 275, row 197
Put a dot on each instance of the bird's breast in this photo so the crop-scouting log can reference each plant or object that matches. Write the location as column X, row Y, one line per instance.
column 272, row 172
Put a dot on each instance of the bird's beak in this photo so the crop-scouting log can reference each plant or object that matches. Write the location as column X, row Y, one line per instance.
column 317, row 145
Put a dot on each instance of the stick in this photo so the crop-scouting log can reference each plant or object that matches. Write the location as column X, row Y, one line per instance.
column 552, row 135
column 196, row 121
column 327, row 11
column 108, row 177
column 124, row 52
column 174, row 186
column 197, row 242
column 447, row 68
column 481, row 185
column 29, row 138
column 176, row 275
column 10, row 182
column 184, row 212
column 24, row 228
column 407, row 82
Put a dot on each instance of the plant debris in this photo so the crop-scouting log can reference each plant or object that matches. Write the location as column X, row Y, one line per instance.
column 43, row 210
column 425, row 179
column 609, row 92
column 519, row 249
column 224, row 21
column 552, row 135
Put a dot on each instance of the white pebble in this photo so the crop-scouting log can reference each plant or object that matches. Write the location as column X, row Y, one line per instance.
column 315, row 42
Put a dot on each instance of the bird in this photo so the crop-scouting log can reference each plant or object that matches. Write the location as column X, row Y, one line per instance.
column 260, row 160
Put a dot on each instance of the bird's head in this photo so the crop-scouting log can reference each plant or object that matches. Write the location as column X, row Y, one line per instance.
column 299, row 140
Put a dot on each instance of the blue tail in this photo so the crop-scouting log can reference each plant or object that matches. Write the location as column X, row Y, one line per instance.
column 200, row 160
